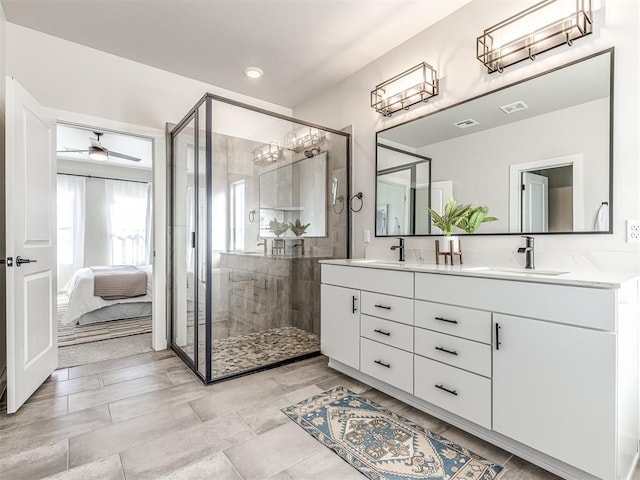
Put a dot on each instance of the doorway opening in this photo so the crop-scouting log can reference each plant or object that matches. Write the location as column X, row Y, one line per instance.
column 104, row 243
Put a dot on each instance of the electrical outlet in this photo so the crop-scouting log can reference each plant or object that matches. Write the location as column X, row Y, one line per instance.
column 633, row 231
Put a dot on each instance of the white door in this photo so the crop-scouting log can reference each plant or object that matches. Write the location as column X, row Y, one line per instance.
column 440, row 193
column 535, row 203
column 32, row 350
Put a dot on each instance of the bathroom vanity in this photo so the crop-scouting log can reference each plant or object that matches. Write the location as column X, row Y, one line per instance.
column 544, row 365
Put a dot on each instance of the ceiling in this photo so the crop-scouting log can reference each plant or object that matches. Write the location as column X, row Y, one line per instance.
column 303, row 46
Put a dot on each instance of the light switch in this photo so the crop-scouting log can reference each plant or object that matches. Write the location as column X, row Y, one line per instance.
column 366, row 237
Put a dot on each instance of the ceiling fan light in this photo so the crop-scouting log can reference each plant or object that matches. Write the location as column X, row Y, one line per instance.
column 96, row 153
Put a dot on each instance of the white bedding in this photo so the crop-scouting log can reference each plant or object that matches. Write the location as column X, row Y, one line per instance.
column 82, row 300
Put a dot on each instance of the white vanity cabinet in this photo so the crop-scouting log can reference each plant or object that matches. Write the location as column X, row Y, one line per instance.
column 554, row 389
column 547, row 369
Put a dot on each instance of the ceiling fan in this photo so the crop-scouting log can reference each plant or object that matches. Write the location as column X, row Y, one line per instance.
column 97, row 151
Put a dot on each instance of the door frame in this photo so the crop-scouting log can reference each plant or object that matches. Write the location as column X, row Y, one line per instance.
column 159, row 196
column 515, row 198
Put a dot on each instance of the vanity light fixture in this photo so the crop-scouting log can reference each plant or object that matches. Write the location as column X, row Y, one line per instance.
column 253, row 72
column 303, row 137
column 418, row 84
column 549, row 24
column 267, row 153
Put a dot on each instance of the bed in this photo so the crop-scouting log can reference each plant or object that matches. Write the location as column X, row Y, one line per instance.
column 84, row 307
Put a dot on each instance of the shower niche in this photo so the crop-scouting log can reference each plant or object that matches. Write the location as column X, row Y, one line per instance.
column 252, row 211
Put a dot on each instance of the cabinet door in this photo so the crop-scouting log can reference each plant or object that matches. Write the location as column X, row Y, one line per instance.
column 554, row 390
column 340, row 324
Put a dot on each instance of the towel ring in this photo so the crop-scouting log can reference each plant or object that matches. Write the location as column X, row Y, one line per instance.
column 359, row 197
column 340, row 199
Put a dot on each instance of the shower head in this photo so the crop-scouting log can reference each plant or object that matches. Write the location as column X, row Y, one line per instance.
column 312, row 152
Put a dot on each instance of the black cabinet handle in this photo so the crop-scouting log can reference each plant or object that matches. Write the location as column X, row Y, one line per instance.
column 353, row 304
column 452, row 392
column 388, row 334
column 498, row 327
column 388, row 365
column 442, row 319
column 383, row 306
column 442, row 349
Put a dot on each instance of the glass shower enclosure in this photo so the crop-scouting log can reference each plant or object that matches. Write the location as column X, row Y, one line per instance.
column 256, row 200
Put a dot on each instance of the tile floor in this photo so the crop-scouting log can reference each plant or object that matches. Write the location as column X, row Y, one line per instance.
column 147, row 417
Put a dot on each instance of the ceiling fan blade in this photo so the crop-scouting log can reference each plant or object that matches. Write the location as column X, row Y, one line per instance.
column 70, row 150
column 123, row 156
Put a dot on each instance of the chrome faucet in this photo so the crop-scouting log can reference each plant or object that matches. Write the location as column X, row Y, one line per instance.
column 528, row 252
column 400, row 248
column 262, row 244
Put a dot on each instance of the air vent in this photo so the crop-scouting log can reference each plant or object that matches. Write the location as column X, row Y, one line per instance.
column 514, row 107
column 469, row 122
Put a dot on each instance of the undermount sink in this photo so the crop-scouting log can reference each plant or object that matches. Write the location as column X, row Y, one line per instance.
column 378, row 262
column 525, row 271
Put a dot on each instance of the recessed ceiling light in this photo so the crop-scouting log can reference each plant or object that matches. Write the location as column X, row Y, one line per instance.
column 469, row 122
column 514, row 107
column 253, row 72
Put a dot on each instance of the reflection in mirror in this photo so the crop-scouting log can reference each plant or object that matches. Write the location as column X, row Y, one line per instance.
column 295, row 193
column 402, row 192
column 537, row 153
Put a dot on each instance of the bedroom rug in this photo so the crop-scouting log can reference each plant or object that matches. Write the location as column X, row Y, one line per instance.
column 383, row 445
column 93, row 332
column 84, row 353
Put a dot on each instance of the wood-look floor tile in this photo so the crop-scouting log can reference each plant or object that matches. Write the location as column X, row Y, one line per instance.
column 341, row 380
column 148, row 402
column 47, row 431
column 227, row 397
column 283, row 475
column 423, row 419
column 519, row 469
column 142, row 370
column 162, row 354
column 67, row 387
column 300, row 377
column 115, row 438
column 216, row 466
column 477, row 445
column 33, row 411
column 264, row 417
column 108, row 468
column 109, row 365
column 117, row 391
column 323, row 465
column 58, row 375
column 175, row 450
column 278, row 449
column 35, row 463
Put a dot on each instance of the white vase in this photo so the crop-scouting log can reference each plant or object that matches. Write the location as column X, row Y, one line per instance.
column 444, row 244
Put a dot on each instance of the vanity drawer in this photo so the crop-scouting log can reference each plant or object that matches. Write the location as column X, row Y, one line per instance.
column 391, row 365
column 468, row 395
column 387, row 332
column 452, row 320
column 398, row 309
column 455, row 351
column 391, row 282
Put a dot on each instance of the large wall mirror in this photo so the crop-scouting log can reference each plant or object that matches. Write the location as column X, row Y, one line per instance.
column 295, row 192
column 538, row 153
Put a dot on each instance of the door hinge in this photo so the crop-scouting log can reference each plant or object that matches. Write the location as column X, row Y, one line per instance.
column 523, row 187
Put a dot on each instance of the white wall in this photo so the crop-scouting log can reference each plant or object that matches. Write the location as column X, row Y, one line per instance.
column 450, row 47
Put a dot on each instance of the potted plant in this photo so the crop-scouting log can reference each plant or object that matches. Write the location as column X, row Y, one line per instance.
column 476, row 217
column 298, row 228
column 453, row 216
column 278, row 228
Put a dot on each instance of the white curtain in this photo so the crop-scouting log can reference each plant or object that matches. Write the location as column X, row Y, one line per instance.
column 128, row 222
column 70, row 225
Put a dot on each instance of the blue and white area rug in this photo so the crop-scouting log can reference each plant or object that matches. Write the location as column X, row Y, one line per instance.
column 383, row 445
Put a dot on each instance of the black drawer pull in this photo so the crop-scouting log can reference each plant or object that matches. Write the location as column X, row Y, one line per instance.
column 498, row 342
column 442, row 319
column 452, row 392
column 386, row 307
column 353, row 304
column 388, row 334
column 442, row 349
column 388, row 365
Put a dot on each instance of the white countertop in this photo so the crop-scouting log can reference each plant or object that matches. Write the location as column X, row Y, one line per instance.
column 577, row 279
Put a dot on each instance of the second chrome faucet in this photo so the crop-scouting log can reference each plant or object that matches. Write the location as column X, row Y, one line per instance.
column 528, row 251
column 400, row 249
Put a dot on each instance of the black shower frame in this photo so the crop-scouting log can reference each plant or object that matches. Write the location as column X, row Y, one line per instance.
column 208, row 100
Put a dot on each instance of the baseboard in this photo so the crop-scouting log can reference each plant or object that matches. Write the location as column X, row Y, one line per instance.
column 3, row 382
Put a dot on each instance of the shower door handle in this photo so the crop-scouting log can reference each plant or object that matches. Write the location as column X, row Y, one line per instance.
column 193, row 239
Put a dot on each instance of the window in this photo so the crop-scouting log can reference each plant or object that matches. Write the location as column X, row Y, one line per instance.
column 128, row 222
column 70, row 225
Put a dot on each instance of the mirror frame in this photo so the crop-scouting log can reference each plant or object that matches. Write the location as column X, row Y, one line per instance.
column 611, row 52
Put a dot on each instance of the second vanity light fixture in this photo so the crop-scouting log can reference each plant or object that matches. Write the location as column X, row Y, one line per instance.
column 543, row 26
column 418, row 84
column 267, row 153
